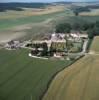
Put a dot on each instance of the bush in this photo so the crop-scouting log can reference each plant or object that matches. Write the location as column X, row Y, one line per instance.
column 63, row 28
column 45, row 49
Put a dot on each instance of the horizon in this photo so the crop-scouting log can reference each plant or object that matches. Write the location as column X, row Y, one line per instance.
column 47, row 1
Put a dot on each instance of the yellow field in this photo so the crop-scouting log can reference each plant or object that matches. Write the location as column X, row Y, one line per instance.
column 30, row 12
column 79, row 81
column 95, row 45
column 94, row 12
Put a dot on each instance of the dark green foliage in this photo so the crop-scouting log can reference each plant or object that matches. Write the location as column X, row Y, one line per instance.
column 93, row 30
column 76, row 26
column 78, row 9
column 90, row 33
column 96, row 28
column 35, row 52
column 82, row 25
column 85, row 23
column 76, row 13
column 19, row 6
column 96, row 31
column 97, row 24
column 89, row 44
column 63, row 28
column 45, row 49
column 85, row 26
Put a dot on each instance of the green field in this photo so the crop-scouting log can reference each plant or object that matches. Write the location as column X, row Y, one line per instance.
column 8, row 23
column 29, row 27
column 23, row 78
column 79, row 81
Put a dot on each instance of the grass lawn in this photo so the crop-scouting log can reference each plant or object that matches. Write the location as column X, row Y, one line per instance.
column 23, row 78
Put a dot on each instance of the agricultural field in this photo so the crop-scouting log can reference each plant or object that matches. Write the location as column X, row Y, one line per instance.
column 26, row 20
column 94, row 12
column 12, row 14
column 79, row 81
column 95, row 45
column 24, row 25
column 29, row 15
column 23, row 78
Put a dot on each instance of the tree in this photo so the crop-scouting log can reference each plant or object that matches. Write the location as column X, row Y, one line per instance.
column 97, row 24
column 90, row 33
column 96, row 30
column 45, row 49
column 85, row 26
column 35, row 52
column 76, row 13
column 76, row 26
column 63, row 28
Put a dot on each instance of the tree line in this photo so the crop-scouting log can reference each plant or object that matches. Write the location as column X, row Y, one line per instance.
column 20, row 6
column 92, row 28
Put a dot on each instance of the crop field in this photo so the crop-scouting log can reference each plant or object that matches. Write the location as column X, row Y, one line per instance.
column 10, row 14
column 14, row 18
column 8, row 23
column 23, row 78
column 77, row 82
column 95, row 45
column 28, row 26
column 94, row 12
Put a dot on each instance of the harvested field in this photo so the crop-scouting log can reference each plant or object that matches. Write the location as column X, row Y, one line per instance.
column 79, row 81
column 94, row 12
column 95, row 45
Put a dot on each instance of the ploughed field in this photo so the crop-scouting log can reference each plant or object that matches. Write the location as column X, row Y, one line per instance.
column 79, row 81
column 25, row 78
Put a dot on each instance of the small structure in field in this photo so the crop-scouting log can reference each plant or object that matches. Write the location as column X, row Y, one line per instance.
column 12, row 45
